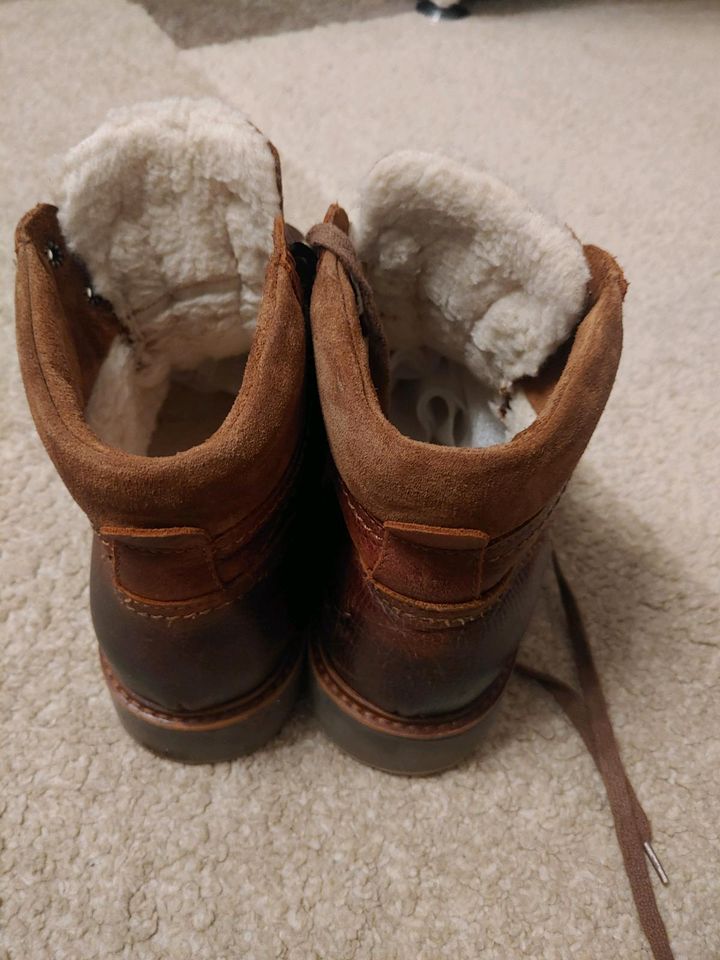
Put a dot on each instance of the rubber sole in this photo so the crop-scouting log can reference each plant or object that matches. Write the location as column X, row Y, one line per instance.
column 409, row 747
column 212, row 736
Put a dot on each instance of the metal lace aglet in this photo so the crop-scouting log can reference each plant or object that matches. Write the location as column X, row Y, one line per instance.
column 657, row 866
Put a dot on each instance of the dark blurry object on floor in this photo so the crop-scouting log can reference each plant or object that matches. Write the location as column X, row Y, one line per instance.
column 440, row 11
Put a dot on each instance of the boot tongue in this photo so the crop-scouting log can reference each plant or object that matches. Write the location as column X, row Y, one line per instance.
column 171, row 207
column 462, row 266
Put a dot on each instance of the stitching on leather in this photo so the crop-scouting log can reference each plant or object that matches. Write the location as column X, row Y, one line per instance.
column 159, row 551
column 496, row 593
column 490, row 557
column 252, row 580
column 232, row 545
column 193, row 553
column 247, row 585
column 169, row 618
column 413, row 726
column 281, row 494
column 390, row 607
column 380, row 560
column 376, row 536
column 521, row 543
column 276, row 531
column 380, row 593
column 515, row 546
column 242, row 539
column 426, row 549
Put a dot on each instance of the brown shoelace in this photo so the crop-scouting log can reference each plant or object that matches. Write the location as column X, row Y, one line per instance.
column 587, row 711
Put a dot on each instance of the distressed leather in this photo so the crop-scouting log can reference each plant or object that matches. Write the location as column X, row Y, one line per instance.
column 492, row 489
column 190, row 656
column 443, row 548
column 196, row 587
column 422, row 643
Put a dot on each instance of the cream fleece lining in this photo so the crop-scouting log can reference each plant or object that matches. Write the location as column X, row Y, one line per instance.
column 475, row 289
column 171, row 206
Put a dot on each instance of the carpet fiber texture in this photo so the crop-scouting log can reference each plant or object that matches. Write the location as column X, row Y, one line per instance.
column 604, row 114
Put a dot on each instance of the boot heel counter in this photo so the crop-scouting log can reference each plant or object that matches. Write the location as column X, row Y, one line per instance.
column 425, row 619
column 433, row 565
column 167, row 565
column 171, row 630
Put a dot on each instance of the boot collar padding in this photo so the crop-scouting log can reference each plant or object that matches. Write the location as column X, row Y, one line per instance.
column 170, row 205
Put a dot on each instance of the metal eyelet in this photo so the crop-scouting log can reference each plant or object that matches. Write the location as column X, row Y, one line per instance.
column 54, row 253
column 94, row 298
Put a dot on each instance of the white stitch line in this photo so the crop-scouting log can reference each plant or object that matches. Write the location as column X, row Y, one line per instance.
column 498, row 593
column 132, row 603
column 453, row 622
column 179, row 616
column 376, row 536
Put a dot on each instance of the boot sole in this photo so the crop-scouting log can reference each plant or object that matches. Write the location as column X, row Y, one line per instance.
column 394, row 744
column 210, row 736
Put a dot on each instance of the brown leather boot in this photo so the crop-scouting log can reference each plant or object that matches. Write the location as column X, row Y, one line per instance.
column 162, row 343
column 451, row 450
column 446, row 476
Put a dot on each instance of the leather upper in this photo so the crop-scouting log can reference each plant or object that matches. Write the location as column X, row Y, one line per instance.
column 493, row 489
column 62, row 339
column 444, row 546
column 193, row 590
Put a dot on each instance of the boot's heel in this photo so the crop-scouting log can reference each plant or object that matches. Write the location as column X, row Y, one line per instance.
column 210, row 736
column 413, row 747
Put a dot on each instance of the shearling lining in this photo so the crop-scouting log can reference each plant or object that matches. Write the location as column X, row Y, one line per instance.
column 476, row 289
column 171, row 206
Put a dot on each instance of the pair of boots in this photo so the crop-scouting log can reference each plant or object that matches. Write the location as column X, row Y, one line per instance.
column 381, row 486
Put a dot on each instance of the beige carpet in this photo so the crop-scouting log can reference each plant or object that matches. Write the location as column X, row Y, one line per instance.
column 606, row 114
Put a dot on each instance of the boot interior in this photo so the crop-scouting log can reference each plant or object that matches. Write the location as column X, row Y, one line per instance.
column 476, row 291
column 171, row 208
column 196, row 405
